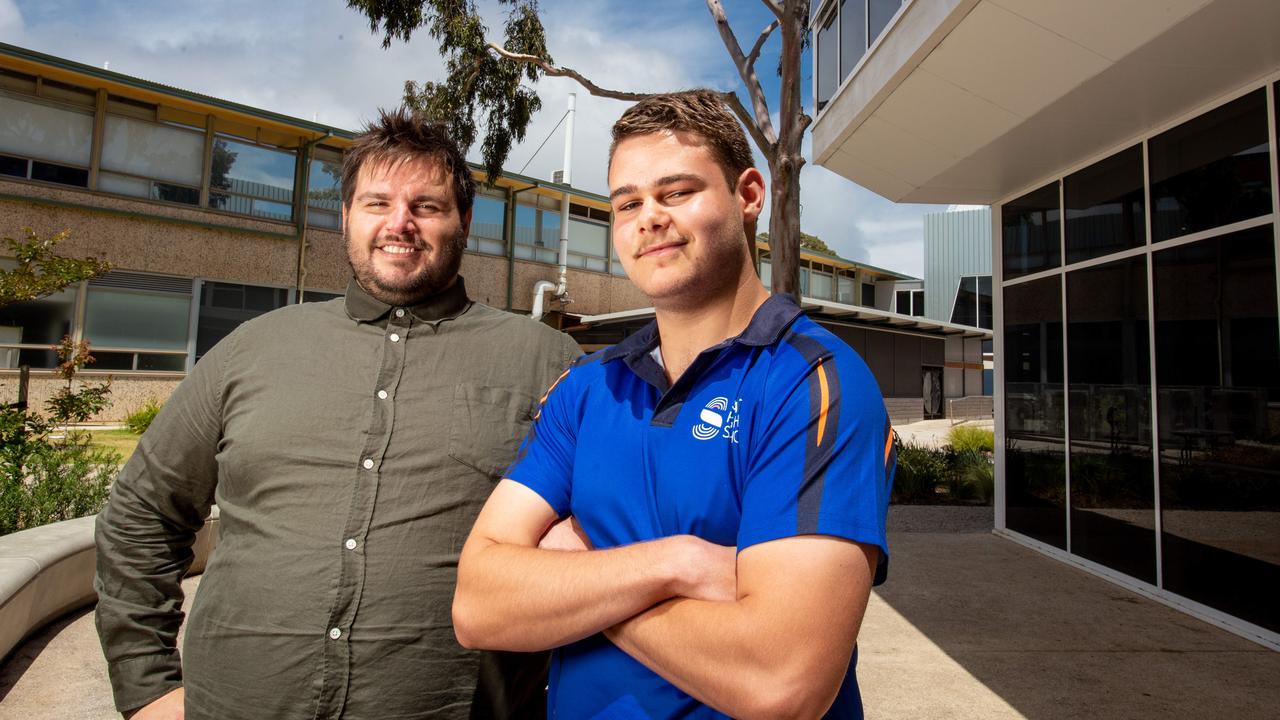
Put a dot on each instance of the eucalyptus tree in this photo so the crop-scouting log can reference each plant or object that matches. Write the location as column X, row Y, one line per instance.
column 490, row 81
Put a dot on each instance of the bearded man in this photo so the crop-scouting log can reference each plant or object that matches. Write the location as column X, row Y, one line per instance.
column 349, row 446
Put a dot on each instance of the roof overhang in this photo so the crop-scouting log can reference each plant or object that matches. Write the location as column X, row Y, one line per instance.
column 969, row 101
column 825, row 310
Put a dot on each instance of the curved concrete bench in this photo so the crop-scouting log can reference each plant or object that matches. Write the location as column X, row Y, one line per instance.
column 46, row 572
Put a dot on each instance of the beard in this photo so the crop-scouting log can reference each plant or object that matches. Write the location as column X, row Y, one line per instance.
column 436, row 276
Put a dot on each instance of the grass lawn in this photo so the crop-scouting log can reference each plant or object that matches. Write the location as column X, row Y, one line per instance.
column 122, row 441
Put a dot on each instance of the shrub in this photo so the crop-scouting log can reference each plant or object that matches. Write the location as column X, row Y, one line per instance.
column 920, row 471
column 965, row 438
column 139, row 420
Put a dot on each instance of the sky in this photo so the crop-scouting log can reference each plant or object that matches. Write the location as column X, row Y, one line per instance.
column 318, row 60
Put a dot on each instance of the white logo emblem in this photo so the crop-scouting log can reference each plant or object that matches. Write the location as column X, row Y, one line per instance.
column 715, row 423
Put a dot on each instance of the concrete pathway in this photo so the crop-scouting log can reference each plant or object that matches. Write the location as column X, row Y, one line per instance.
column 969, row 626
column 933, row 433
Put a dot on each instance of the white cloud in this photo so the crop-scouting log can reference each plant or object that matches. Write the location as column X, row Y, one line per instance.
column 11, row 23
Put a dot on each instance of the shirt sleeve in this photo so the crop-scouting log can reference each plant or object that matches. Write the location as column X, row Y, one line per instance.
column 544, row 462
column 821, row 462
column 145, row 533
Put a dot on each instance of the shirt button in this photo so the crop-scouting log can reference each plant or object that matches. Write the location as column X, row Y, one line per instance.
column 368, row 464
column 394, row 337
column 399, row 312
column 382, row 394
column 350, row 543
column 335, row 633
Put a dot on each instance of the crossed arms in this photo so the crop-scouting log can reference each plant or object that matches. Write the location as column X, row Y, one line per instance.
column 768, row 633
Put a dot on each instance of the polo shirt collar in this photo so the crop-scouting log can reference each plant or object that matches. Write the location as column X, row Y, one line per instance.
column 444, row 305
column 768, row 323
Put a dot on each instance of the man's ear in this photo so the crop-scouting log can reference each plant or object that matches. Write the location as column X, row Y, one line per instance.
column 466, row 222
column 751, row 194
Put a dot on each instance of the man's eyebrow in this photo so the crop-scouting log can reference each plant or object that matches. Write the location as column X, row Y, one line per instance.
column 369, row 195
column 665, row 180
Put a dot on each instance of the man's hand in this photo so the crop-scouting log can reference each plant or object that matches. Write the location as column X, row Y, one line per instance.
column 169, row 706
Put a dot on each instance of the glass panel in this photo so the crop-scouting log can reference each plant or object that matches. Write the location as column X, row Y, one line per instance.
column 526, row 231
column 324, row 219
column 1030, row 232
column 903, row 301
column 155, row 151
column 1218, row 374
column 827, row 51
column 853, row 35
column 319, row 296
column 879, row 13
column 127, row 319
column 588, row 238
column 1211, row 171
column 550, row 236
column 247, row 169
column 868, row 295
column 121, row 185
column 766, row 273
column 964, row 311
column 820, row 285
column 1105, row 207
column 804, row 281
column 165, row 363
column 917, row 303
column 486, row 218
column 844, row 289
column 984, row 302
column 1109, row 380
column 175, row 193
column 14, row 166
column 1035, row 480
column 224, row 306
column 45, row 132
column 324, row 182
column 59, row 174
column 35, row 322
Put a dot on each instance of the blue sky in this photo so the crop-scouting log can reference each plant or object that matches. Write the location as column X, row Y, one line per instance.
column 316, row 59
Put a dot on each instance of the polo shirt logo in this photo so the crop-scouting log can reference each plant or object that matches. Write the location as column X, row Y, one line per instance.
column 718, row 420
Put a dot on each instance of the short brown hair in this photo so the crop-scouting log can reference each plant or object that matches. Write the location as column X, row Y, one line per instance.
column 701, row 112
column 399, row 135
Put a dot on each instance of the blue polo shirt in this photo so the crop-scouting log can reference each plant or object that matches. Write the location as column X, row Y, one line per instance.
column 778, row 432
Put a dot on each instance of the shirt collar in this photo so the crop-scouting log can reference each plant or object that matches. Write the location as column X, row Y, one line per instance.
column 446, row 304
column 768, row 323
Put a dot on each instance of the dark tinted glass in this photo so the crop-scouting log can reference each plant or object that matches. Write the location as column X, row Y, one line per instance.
column 1109, row 385
column 1030, row 234
column 175, row 193
column 1105, row 206
column 223, row 306
column 49, row 172
column 965, row 309
column 853, row 34
column 1218, row 374
column 159, row 362
column 984, row 302
column 1035, row 480
column 113, row 361
column 1211, row 171
column 16, row 167
column 868, row 295
column 828, row 51
column 917, row 303
column 903, row 302
column 319, row 296
column 879, row 13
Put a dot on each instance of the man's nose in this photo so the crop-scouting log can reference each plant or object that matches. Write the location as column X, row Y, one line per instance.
column 401, row 220
column 653, row 216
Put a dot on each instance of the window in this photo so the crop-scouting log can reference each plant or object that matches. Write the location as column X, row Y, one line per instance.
column 821, row 284
column 853, row 35
column 149, row 160
column 537, row 233
column 766, row 274
column 879, row 13
column 487, row 215
column 29, row 328
column 46, row 142
column 251, row 179
column 827, row 50
column 324, row 189
column 972, row 305
column 138, row 322
column 224, row 306
column 909, row 302
column 319, row 296
column 588, row 244
column 1032, row 240
column 1211, row 171
column 868, row 295
column 1105, row 207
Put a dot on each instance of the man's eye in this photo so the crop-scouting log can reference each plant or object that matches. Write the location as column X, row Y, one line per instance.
column 628, row 206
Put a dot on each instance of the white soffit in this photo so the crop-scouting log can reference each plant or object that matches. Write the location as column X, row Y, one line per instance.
column 1020, row 89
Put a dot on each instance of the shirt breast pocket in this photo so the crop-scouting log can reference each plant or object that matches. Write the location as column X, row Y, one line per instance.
column 488, row 425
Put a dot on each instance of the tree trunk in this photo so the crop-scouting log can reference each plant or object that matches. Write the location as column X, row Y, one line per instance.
column 786, row 160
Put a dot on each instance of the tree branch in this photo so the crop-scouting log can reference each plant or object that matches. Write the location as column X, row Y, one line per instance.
column 557, row 71
column 755, row 49
column 762, row 123
column 774, row 7
column 766, row 145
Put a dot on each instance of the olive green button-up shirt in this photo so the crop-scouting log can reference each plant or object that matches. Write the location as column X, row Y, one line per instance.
column 349, row 446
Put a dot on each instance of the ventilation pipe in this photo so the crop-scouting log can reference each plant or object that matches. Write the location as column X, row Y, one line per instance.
column 560, row 289
column 539, row 289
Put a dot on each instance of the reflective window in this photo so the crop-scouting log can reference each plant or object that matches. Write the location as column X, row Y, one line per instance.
column 844, row 289
column 35, row 325
column 1218, row 375
column 588, row 244
column 486, row 225
column 868, row 295
column 766, row 273
column 45, row 132
column 827, row 50
column 537, row 238
column 149, row 160
column 853, row 35
column 965, row 309
column 1105, row 207
column 879, row 13
column 1109, row 386
column 1035, row 479
column 251, row 179
column 1030, row 234
column 122, row 324
column 1211, row 171
column 224, row 306
column 324, row 189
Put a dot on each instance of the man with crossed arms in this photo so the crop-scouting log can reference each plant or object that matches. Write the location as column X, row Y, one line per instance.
column 727, row 470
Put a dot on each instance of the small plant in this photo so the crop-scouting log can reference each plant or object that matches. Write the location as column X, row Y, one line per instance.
column 139, row 420
column 965, row 438
column 920, row 470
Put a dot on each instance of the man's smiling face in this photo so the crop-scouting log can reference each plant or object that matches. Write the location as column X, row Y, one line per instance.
column 403, row 231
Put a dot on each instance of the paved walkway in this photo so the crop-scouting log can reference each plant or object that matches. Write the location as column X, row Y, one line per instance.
column 969, row 626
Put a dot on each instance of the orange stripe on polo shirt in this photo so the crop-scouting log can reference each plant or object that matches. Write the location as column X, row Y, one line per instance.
column 825, row 401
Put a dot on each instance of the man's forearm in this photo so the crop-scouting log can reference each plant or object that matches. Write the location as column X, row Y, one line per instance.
column 512, row 597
